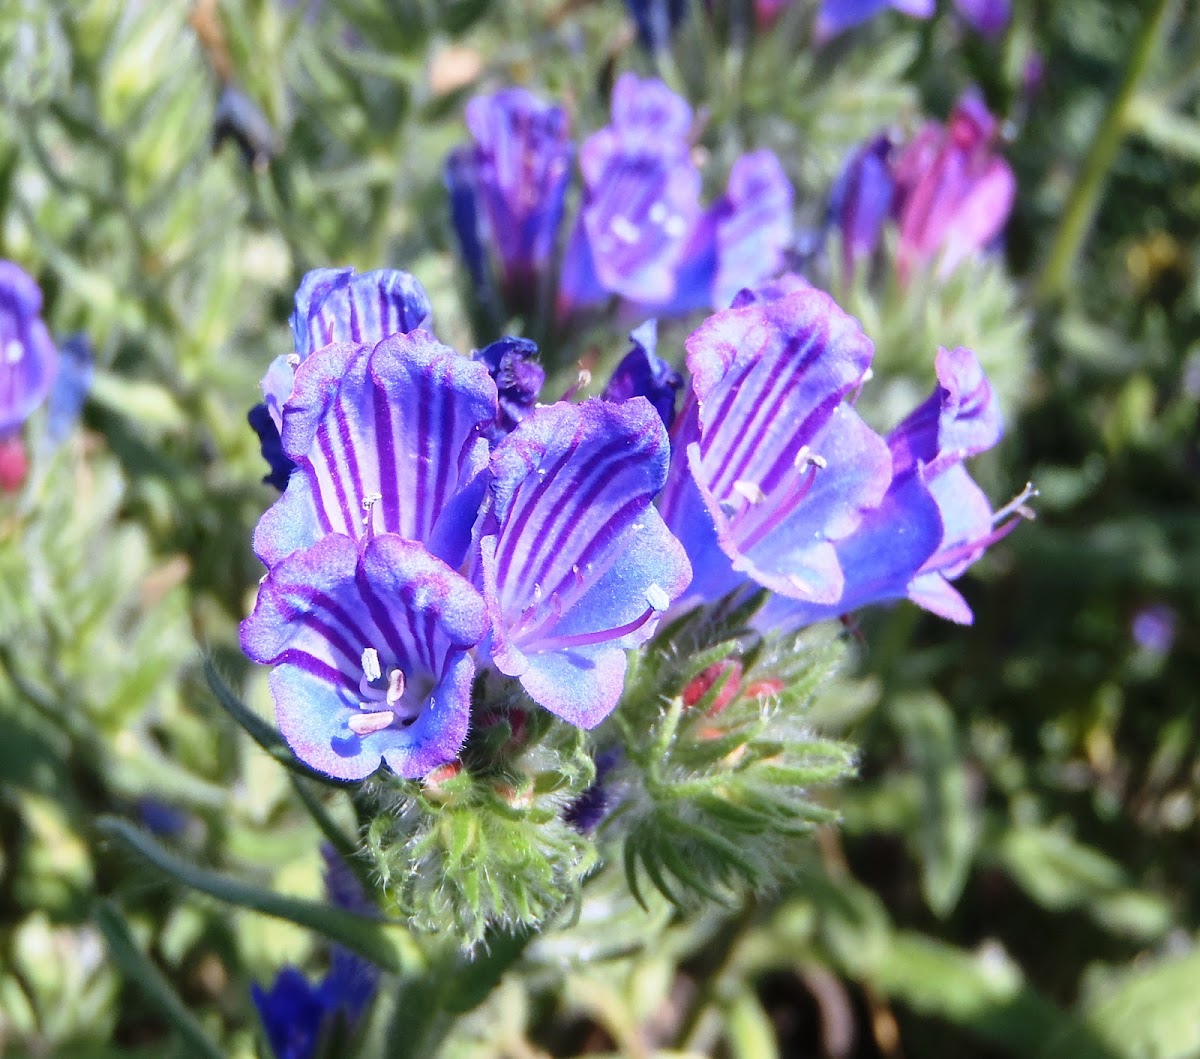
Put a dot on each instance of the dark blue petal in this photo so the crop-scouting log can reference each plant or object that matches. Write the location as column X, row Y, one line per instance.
column 512, row 364
column 861, row 200
column 656, row 21
column 292, row 1012
column 272, row 448
column 461, row 177
column 642, row 374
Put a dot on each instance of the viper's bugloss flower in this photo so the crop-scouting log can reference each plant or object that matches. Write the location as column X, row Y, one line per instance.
column 386, row 438
column 656, row 21
column 837, row 16
column 1153, row 628
column 28, row 357
column 517, row 173
column 298, row 1016
column 934, row 520
column 954, row 191
column 641, row 373
column 989, row 17
column 740, row 241
column 512, row 363
column 576, row 564
column 338, row 305
column 641, row 200
column 861, row 200
column 770, row 467
column 370, row 645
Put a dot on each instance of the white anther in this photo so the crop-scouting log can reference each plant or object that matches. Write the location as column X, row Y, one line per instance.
column 752, row 491
column 799, row 583
column 14, row 351
column 675, row 226
column 366, row 723
column 368, row 503
column 395, row 689
column 806, row 457
column 658, row 213
column 657, row 597
column 370, row 664
column 293, row 360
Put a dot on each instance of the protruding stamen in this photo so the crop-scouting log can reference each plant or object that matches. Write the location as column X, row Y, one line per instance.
column 368, row 504
column 395, row 689
column 367, row 723
column 1019, row 506
column 657, row 597
column 807, row 458
column 752, row 491
column 370, row 665
column 293, row 360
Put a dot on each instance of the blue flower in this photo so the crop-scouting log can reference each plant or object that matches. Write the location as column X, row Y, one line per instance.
column 740, row 241
column 510, row 187
column 642, row 373
column 386, row 438
column 641, row 200
column 989, row 17
column 770, row 466
column 934, row 520
column 575, row 563
column 861, row 201
column 370, row 647
column 512, row 364
column 336, row 305
column 28, row 358
column 301, row 1018
column 837, row 16
column 656, row 21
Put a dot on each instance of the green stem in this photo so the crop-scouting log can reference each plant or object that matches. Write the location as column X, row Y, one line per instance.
column 1084, row 198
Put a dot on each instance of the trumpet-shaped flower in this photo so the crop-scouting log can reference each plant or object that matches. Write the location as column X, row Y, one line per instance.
column 954, row 193
column 861, row 200
column 934, row 521
column 770, row 467
column 641, row 373
column 28, row 358
column 641, row 200
column 515, row 175
column 370, row 647
column 386, row 438
column 576, row 564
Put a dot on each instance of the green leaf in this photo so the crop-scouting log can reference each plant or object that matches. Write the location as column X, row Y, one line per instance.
column 137, row 968
column 946, row 836
column 1150, row 1012
column 380, row 942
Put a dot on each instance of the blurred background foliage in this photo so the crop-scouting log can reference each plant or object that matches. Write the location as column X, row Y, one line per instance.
column 1016, row 871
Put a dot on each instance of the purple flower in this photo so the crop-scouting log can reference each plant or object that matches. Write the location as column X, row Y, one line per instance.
column 512, row 364
column 28, row 359
column 642, row 374
column 770, row 467
column 576, row 564
column 270, row 446
column 336, row 305
column 1153, row 628
column 989, row 17
column 641, row 200
column 517, row 172
column 934, row 520
column 740, row 241
column 299, row 1017
column 954, row 193
column 861, row 201
column 389, row 438
column 370, row 647
column 837, row 16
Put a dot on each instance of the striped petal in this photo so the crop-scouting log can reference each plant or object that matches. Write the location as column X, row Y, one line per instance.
column 576, row 564
column 387, row 439
column 28, row 358
column 318, row 614
column 783, row 467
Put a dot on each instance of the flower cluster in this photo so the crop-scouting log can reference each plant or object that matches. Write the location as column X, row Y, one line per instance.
column 439, row 521
column 948, row 191
column 641, row 233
